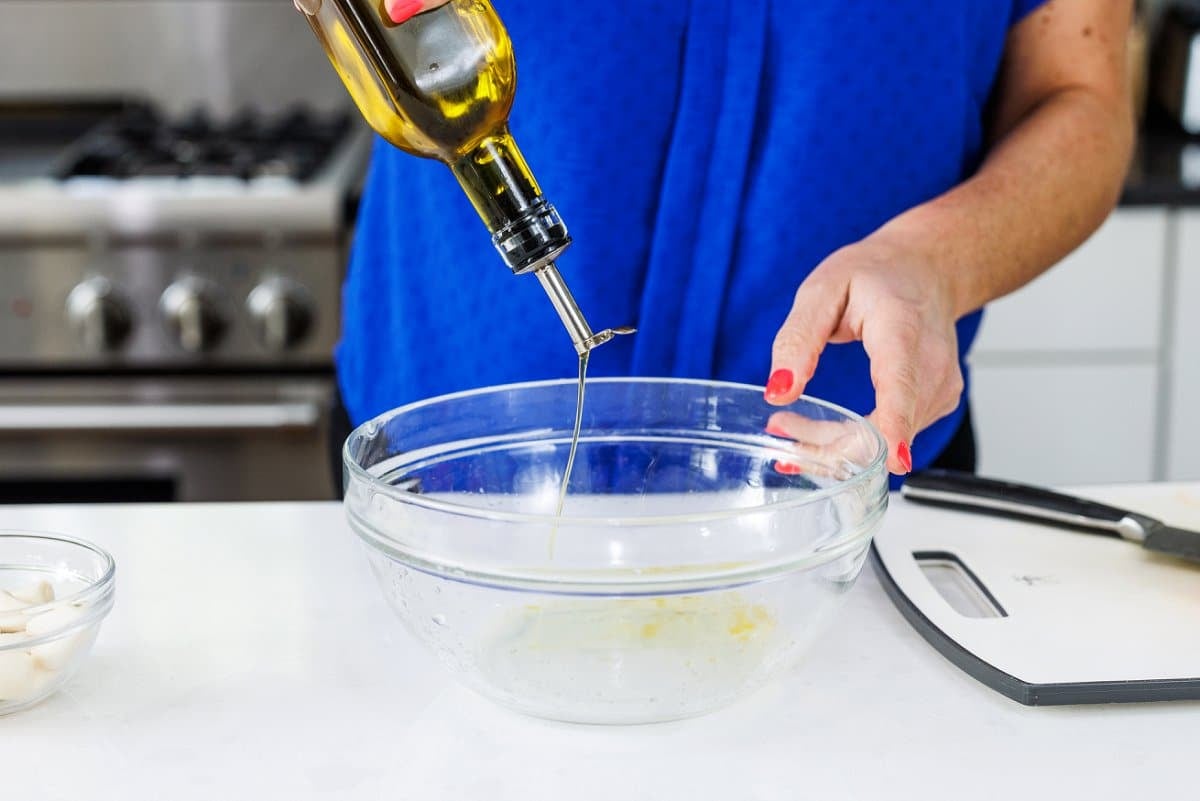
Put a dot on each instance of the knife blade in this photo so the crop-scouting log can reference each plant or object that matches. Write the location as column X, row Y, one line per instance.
column 967, row 492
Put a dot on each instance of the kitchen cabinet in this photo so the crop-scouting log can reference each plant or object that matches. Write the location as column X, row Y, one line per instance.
column 1182, row 440
column 1105, row 299
column 1069, row 374
column 1066, row 423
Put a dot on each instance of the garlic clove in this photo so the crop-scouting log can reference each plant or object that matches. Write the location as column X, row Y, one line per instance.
column 11, row 619
column 57, row 654
column 53, row 620
column 36, row 594
column 12, row 622
column 18, row 675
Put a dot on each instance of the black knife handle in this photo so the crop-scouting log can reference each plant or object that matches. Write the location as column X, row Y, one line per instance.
column 1008, row 498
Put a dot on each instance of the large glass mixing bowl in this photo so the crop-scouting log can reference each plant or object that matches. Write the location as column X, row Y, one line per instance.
column 706, row 539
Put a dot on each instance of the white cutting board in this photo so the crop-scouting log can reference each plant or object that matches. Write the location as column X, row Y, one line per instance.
column 1086, row 618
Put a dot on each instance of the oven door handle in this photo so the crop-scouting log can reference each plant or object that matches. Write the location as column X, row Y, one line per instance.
column 163, row 417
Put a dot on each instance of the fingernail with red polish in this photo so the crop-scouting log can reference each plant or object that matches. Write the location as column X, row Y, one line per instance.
column 401, row 10
column 788, row 468
column 779, row 383
column 776, row 431
column 905, row 456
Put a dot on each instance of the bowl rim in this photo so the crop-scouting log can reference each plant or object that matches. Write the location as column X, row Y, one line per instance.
column 619, row 581
column 94, row 591
column 875, row 467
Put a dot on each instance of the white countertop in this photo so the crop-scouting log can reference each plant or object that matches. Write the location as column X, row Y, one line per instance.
column 250, row 656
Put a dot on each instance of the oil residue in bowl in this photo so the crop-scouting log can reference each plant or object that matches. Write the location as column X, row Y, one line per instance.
column 678, row 620
column 684, row 621
column 631, row 658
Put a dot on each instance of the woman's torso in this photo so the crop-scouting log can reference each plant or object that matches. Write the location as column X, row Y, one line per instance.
column 705, row 163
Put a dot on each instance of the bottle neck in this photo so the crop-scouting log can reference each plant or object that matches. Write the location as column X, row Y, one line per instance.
column 526, row 229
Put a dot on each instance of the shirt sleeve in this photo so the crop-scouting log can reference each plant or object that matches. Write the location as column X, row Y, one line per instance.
column 1022, row 8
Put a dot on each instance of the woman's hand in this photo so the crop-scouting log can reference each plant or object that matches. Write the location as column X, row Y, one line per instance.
column 888, row 294
column 401, row 10
column 1062, row 134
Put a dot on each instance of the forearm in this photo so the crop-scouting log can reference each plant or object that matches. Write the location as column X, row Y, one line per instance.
column 1043, row 189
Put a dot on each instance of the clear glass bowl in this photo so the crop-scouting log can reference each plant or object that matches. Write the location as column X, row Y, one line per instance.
column 54, row 593
column 697, row 555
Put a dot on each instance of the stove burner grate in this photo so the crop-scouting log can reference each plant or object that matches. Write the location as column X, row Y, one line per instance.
column 140, row 143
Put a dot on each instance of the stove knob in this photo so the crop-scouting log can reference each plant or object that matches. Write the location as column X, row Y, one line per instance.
column 99, row 314
column 190, row 308
column 282, row 312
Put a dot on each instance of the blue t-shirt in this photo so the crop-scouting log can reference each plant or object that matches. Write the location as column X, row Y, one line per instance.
column 706, row 156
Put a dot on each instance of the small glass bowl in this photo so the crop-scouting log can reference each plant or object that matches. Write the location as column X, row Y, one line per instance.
column 44, row 640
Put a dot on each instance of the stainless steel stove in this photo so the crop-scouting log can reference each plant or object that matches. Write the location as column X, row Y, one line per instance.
column 169, row 295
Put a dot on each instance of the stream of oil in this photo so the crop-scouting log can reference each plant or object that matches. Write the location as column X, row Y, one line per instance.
column 566, row 479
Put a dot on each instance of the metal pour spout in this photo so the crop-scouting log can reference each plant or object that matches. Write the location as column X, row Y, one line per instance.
column 568, row 311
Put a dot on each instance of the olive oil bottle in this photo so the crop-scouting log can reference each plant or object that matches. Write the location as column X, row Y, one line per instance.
column 440, row 85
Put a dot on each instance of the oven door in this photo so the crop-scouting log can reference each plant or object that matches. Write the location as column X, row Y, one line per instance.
column 128, row 439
